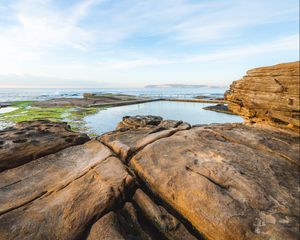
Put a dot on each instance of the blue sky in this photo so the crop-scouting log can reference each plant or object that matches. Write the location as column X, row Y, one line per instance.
column 132, row 43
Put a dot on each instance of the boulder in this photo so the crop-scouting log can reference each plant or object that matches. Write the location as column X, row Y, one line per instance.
column 269, row 95
column 27, row 141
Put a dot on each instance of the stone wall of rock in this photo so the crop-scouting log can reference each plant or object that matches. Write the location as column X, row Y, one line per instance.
column 268, row 94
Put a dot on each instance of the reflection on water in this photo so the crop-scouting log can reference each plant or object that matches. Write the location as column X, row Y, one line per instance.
column 190, row 112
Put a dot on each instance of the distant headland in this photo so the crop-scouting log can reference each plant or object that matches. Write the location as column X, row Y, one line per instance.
column 178, row 86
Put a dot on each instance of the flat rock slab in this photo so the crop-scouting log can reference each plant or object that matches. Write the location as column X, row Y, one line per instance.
column 229, row 181
column 27, row 141
column 89, row 102
column 57, row 196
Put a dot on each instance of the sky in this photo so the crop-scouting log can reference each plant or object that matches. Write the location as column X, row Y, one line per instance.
column 133, row 43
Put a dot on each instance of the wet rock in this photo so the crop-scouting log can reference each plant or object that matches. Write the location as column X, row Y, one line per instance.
column 27, row 141
column 139, row 121
column 219, row 108
column 125, row 141
column 229, row 181
column 268, row 94
column 4, row 104
column 57, row 196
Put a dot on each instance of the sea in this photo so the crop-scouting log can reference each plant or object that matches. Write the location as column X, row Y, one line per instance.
column 23, row 94
column 107, row 119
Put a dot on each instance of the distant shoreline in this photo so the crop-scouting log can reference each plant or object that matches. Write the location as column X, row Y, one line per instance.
column 181, row 86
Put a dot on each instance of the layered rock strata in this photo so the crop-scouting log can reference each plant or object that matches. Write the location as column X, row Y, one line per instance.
column 268, row 94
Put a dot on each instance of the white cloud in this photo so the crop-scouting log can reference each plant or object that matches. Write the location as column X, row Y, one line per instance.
column 279, row 45
column 83, row 40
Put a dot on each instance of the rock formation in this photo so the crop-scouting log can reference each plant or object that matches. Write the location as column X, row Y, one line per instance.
column 268, row 94
column 151, row 179
column 30, row 140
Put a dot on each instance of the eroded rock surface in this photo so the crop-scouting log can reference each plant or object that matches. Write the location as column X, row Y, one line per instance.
column 230, row 181
column 169, row 226
column 133, row 133
column 27, row 141
column 57, row 196
column 160, row 179
column 268, row 94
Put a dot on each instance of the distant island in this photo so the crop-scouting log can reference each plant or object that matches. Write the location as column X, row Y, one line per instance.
column 175, row 86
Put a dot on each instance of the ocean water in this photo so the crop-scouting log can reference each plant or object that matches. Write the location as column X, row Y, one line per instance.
column 17, row 94
column 106, row 120
column 191, row 112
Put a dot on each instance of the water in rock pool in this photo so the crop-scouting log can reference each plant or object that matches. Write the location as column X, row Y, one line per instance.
column 107, row 120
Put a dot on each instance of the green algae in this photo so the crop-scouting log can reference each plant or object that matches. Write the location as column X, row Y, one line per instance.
column 26, row 111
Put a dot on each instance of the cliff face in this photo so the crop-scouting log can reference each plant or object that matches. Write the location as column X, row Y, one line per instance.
column 268, row 94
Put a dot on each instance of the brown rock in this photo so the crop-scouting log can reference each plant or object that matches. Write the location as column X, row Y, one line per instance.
column 106, row 228
column 127, row 140
column 229, row 181
column 30, row 140
column 165, row 223
column 139, row 121
column 133, row 228
column 57, row 196
column 268, row 94
column 121, row 225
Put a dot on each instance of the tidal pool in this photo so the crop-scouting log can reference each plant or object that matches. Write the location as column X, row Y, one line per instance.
column 107, row 120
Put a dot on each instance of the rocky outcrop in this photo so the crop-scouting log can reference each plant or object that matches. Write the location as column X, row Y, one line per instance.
column 57, row 196
column 27, row 141
column 154, row 179
column 268, row 94
column 229, row 181
column 225, row 187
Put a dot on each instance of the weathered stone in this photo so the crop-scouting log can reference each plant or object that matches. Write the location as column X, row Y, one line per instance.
column 106, row 228
column 229, row 181
column 27, row 141
column 126, row 141
column 57, row 196
column 268, row 94
column 163, row 221
column 219, row 108
column 139, row 121
column 116, row 226
column 132, row 227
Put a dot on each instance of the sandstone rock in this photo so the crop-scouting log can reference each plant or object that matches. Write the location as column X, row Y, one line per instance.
column 121, row 225
column 57, row 196
column 229, row 181
column 162, row 220
column 139, row 121
column 138, row 133
column 132, row 226
column 268, row 94
column 106, row 228
column 30, row 140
